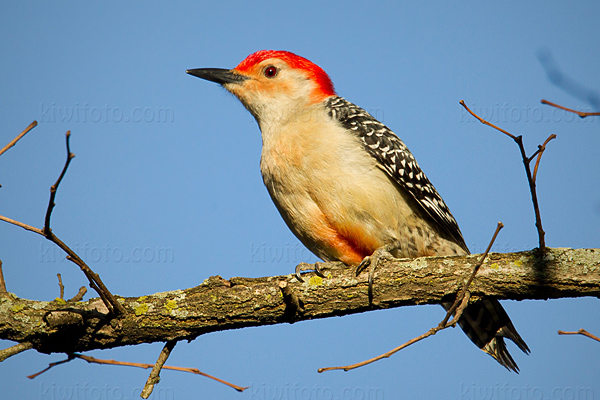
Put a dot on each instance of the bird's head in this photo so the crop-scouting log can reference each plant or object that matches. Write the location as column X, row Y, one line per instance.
column 272, row 84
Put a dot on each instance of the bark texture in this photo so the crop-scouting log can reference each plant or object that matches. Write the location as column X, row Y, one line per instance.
column 219, row 304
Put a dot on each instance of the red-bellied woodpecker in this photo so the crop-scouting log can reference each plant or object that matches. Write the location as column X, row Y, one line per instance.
column 344, row 183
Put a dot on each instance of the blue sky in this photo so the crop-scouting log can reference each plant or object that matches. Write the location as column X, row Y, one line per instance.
column 165, row 189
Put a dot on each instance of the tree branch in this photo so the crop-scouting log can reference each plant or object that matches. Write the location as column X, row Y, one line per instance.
column 14, row 350
column 54, row 188
column 218, row 304
column 3, row 291
column 527, row 164
column 61, row 287
column 93, row 278
column 442, row 325
column 93, row 360
column 154, row 377
column 581, row 114
column 461, row 302
column 580, row 332
column 19, row 136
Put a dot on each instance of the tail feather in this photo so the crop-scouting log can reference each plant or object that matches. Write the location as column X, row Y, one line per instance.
column 497, row 349
column 486, row 323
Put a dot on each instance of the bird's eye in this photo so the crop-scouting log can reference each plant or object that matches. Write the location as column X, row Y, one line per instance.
column 270, row 72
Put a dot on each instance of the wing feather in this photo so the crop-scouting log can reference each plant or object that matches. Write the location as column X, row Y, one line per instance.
column 397, row 161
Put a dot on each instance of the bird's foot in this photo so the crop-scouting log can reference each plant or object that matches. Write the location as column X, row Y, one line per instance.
column 304, row 267
column 371, row 263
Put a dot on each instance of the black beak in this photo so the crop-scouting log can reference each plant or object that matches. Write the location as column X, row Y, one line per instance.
column 218, row 75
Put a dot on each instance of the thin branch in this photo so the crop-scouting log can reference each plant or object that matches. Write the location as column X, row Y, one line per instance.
column 22, row 225
column 19, row 136
column 580, row 332
column 3, row 291
column 94, row 360
column 534, row 199
column 483, row 121
column 82, row 291
column 539, row 155
column 198, row 372
column 52, row 365
column 530, row 177
column 580, row 113
column 54, row 187
column 476, row 267
column 461, row 302
column 94, row 279
column 390, row 353
column 14, row 350
column 61, row 287
column 154, row 377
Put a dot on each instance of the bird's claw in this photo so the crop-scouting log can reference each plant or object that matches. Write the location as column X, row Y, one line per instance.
column 363, row 264
column 371, row 262
column 308, row 267
column 318, row 270
column 368, row 263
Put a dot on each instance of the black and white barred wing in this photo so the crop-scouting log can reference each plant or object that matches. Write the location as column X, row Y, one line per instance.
column 394, row 158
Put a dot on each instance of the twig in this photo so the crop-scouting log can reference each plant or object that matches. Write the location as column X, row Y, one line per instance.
column 3, row 291
column 461, row 302
column 16, row 349
column 154, row 377
column 93, row 360
column 388, row 354
column 22, row 225
column 94, row 279
column 483, row 121
column 95, row 282
column 52, row 365
column 19, row 136
column 79, row 295
column 530, row 177
column 539, row 153
column 580, row 113
column 54, row 187
column 198, row 372
column 61, row 287
column 580, row 332
column 472, row 276
column 291, row 300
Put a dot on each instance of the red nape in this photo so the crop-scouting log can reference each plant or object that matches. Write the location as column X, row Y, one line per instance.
column 315, row 72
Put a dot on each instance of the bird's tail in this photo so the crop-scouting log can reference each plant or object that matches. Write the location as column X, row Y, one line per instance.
column 487, row 324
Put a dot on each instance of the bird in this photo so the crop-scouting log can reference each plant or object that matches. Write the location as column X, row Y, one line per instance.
column 345, row 184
